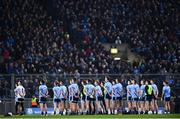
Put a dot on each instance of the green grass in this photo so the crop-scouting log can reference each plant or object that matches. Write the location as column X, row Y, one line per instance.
column 97, row 116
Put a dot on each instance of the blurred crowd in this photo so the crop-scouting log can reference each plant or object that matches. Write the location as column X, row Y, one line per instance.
column 66, row 36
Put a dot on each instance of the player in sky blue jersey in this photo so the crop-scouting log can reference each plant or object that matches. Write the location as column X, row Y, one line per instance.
column 63, row 97
column 108, row 93
column 70, row 95
column 43, row 95
column 142, row 97
column 74, row 93
column 56, row 99
column 90, row 96
column 99, row 97
column 129, row 96
column 166, row 95
column 114, row 97
column 155, row 96
column 134, row 94
column 119, row 95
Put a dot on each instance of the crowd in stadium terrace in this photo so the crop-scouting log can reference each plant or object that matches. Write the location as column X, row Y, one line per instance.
column 66, row 37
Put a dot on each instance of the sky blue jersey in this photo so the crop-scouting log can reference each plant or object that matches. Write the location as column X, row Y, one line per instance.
column 114, row 90
column 129, row 90
column 134, row 91
column 98, row 91
column 108, row 87
column 142, row 90
column 167, row 91
column 119, row 89
column 63, row 91
column 43, row 91
column 56, row 92
column 136, row 86
column 74, row 89
column 89, row 89
column 155, row 89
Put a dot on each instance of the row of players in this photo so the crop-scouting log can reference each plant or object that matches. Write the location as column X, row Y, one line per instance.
column 94, row 97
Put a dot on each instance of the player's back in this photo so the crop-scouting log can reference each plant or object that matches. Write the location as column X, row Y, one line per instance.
column 98, row 90
column 74, row 88
column 20, row 91
column 108, row 87
column 90, row 89
column 43, row 90
column 56, row 91
column 167, row 91
column 142, row 90
column 155, row 89
column 63, row 91
column 119, row 89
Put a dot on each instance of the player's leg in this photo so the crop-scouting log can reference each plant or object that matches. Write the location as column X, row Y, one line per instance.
column 87, row 105
column 168, row 105
column 72, row 108
column 61, row 106
column 64, row 106
column 165, row 106
column 112, row 102
column 45, row 109
column 82, row 106
column 137, row 105
column 92, row 106
column 20, row 107
column 129, row 104
column 16, row 107
column 156, row 106
column 77, row 105
column 55, row 107
column 121, row 106
column 147, row 106
column 153, row 105
column 41, row 105
column 117, row 105
column 142, row 105
column 103, row 105
column 98, row 106
column 133, row 104
column 41, row 108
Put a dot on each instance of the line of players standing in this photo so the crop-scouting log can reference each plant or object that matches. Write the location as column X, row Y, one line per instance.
column 99, row 97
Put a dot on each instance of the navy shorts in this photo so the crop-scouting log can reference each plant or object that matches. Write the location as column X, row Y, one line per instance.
column 90, row 98
column 108, row 96
column 75, row 99
column 42, row 100
column 134, row 99
column 20, row 99
column 100, row 98
column 83, row 97
column 57, row 100
column 167, row 99
column 63, row 99
column 119, row 98
column 114, row 98
column 149, row 98
column 129, row 98
column 142, row 99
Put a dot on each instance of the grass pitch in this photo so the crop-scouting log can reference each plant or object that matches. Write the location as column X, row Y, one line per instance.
column 167, row 116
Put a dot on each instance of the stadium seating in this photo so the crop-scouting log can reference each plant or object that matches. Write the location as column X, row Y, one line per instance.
column 67, row 36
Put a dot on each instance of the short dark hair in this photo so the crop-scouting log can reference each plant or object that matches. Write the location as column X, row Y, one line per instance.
column 43, row 81
column 166, row 82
